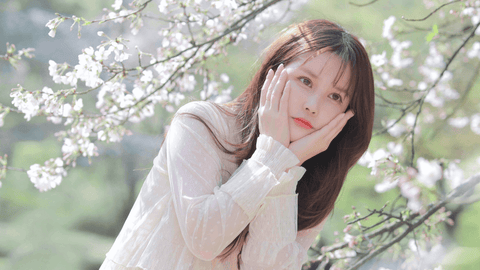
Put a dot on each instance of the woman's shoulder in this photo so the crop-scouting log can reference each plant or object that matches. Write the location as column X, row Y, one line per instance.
column 221, row 124
column 205, row 109
column 196, row 107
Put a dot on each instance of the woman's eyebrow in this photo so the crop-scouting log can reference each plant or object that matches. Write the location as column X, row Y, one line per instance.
column 307, row 70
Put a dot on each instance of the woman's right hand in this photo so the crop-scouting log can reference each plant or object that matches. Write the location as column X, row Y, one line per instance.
column 273, row 110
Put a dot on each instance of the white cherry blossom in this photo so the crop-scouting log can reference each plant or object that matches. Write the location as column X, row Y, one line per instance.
column 429, row 172
column 379, row 59
column 2, row 116
column 47, row 177
column 458, row 122
column 385, row 186
column 395, row 149
column 26, row 103
column 454, row 175
column 387, row 27
column 118, row 4
column 412, row 193
column 475, row 123
column 147, row 76
column 396, row 130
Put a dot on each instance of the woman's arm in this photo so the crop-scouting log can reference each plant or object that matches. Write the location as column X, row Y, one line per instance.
column 273, row 241
column 211, row 215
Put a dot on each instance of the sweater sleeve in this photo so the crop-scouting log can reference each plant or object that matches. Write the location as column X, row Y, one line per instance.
column 210, row 215
column 273, row 241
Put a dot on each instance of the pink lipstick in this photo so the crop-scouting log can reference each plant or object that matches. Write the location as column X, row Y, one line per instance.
column 303, row 123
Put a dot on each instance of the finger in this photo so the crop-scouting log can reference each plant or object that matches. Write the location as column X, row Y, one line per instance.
column 265, row 87
column 273, row 83
column 278, row 90
column 326, row 131
column 285, row 98
column 340, row 125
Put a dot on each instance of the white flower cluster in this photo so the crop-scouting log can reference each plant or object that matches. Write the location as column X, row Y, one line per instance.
column 53, row 24
column 49, row 176
column 26, row 102
column 211, row 92
column 384, row 66
column 130, row 93
column 46, row 102
column 473, row 11
column 89, row 67
column 76, row 141
column 430, row 70
column 398, row 128
column 373, row 160
column 427, row 174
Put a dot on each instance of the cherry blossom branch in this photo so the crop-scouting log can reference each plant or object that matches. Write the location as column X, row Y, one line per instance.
column 462, row 100
column 422, row 100
column 425, row 29
column 86, row 22
column 404, row 111
column 411, row 221
column 379, row 232
column 16, row 169
column 13, row 58
column 375, row 211
column 232, row 28
column 459, row 191
column 433, row 12
column 210, row 42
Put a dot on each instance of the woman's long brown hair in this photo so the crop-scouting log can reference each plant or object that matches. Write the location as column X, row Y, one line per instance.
column 325, row 173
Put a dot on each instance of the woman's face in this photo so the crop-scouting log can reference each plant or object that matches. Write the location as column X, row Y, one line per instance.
column 313, row 95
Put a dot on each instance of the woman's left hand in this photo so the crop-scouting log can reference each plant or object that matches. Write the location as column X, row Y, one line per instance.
column 318, row 141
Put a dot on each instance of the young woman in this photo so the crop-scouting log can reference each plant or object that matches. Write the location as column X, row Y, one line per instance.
column 259, row 200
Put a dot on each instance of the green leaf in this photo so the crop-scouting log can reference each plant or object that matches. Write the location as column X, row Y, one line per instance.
column 432, row 34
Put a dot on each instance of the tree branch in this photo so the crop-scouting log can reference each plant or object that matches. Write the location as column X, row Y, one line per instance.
column 422, row 100
column 433, row 12
column 459, row 191
column 363, row 5
column 462, row 100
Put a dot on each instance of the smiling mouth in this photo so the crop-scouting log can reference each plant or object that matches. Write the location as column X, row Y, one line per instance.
column 302, row 123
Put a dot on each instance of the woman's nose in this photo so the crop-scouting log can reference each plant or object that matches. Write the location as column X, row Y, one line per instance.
column 311, row 106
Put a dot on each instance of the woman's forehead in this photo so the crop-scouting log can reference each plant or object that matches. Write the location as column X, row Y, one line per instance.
column 325, row 63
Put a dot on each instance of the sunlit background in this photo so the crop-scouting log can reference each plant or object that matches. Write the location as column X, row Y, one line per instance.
column 75, row 224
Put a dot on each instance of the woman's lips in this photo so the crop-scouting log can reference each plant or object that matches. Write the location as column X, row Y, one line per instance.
column 303, row 123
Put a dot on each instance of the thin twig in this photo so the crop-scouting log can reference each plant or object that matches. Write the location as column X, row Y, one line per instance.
column 433, row 12
column 372, row 212
column 16, row 169
column 363, row 5
column 422, row 100
column 459, row 191
column 462, row 100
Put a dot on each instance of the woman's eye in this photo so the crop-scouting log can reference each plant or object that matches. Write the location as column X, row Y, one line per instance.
column 336, row 97
column 306, row 81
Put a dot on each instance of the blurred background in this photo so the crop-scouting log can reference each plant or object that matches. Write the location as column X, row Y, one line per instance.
column 75, row 224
